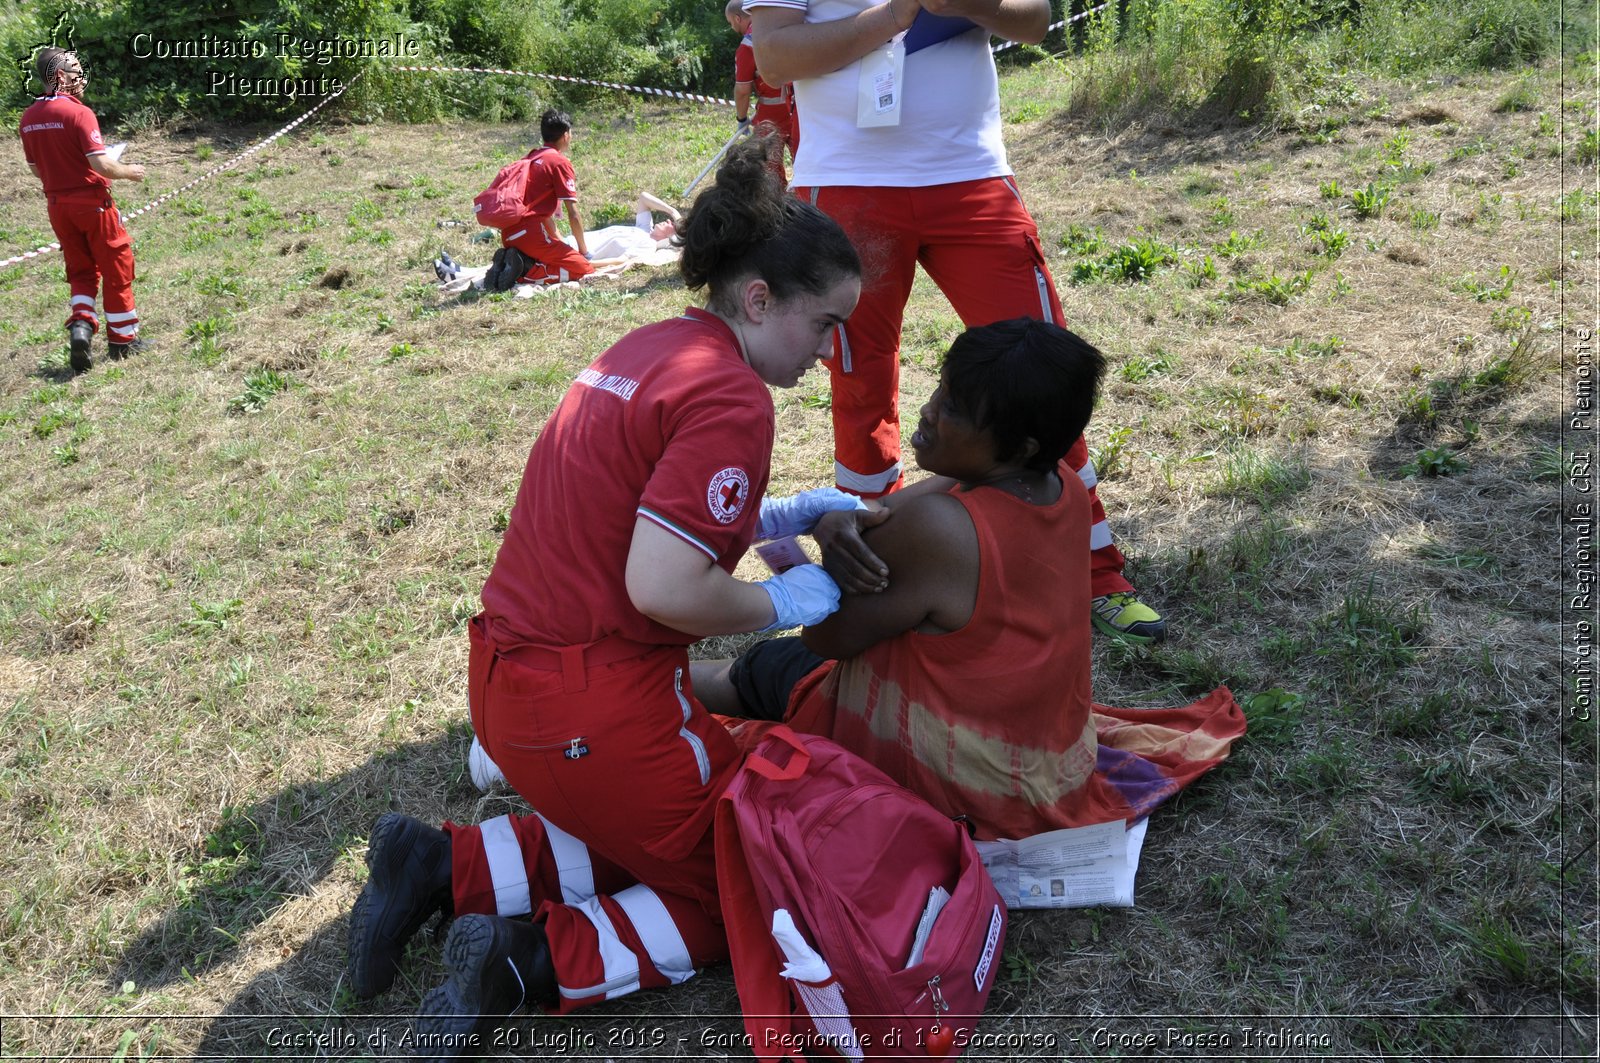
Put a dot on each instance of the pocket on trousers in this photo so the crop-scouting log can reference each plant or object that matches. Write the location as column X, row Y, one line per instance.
column 1042, row 280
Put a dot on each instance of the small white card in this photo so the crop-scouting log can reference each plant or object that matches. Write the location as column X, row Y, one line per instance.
column 782, row 554
column 881, row 84
column 114, row 151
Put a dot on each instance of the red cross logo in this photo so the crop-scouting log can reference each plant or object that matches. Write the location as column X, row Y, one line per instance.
column 727, row 494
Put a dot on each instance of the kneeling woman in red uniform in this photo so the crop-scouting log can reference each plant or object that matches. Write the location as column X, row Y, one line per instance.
column 640, row 496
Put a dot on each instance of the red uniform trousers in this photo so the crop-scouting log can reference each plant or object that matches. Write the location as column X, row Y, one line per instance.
column 625, row 768
column 780, row 114
column 555, row 256
column 94, row 245
column 981, row 247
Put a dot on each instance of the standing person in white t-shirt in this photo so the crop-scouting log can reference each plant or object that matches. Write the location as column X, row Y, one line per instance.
column 911, row 163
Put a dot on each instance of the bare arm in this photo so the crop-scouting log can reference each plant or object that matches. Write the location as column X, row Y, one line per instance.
column 649, row 202
column 846, row 555
column 788, row 48
column 742, row 90
column 932, row 549
column 114, row 171
column 675, row 584
column 1012, row 20
column 575, row 223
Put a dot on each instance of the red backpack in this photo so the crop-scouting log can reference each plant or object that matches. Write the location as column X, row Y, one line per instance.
column 505, row 201
column 860, row 865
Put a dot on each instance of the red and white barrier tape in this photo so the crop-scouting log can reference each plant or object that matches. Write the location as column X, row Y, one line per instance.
column 642, row 89
column 230, row 164
column 693, row 97
column 1056, row 25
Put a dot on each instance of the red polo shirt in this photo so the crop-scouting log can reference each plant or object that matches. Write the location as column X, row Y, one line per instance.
column 59, row 133
column 669, row 426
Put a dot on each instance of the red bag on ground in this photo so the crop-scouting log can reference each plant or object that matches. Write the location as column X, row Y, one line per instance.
column 860, row 866
column 505, row 202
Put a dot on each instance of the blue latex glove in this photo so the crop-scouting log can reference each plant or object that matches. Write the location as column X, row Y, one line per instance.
column 803, row 595
column 798, row 514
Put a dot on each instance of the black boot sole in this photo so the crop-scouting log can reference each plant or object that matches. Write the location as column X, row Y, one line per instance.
column 491, row 280
column 451, row 1022
column 485, row 985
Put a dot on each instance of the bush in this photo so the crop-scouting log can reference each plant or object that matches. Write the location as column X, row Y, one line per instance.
column 676, row 44
column 1405, row 36
column 1285, row 59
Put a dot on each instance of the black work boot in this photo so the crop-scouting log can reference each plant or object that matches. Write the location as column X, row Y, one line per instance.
column 496, row 267
column 517, row 265
column 409, row 881
column 497, row 966
column 119, row 351
column 79, row 334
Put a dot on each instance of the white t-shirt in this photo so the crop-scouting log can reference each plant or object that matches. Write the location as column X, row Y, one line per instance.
column 949, row 119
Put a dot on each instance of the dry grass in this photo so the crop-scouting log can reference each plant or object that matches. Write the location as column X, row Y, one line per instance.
column 231, row 639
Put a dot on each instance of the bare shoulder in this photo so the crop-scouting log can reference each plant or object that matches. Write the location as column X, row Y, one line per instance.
column 928, row 528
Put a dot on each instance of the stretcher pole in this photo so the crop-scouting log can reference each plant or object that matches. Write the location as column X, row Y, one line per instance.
column 737, row 133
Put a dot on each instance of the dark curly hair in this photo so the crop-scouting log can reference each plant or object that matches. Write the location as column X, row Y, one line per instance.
column 747, row 226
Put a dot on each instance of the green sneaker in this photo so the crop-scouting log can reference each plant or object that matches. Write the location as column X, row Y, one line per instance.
column 1126, row 617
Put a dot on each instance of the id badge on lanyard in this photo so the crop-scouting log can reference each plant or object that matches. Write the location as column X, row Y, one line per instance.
column 881, row 85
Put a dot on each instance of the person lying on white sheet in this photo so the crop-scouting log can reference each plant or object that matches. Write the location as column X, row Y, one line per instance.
column 626, row 244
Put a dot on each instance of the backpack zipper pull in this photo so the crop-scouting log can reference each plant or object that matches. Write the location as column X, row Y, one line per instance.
column 576, row 749
column 941, row 1038
column 938, row 997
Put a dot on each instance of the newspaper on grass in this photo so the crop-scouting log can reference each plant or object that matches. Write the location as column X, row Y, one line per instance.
column 1081, row 867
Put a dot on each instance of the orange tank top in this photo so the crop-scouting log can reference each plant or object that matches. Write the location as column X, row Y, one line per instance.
column 991, row 721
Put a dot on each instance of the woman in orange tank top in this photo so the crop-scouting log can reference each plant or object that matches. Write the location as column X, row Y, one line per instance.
column 968, row 678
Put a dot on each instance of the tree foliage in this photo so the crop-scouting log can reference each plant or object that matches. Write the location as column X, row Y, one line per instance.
column 163, row 58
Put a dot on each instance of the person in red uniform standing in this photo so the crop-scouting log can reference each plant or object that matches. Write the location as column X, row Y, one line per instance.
column 61, row 141
column 640, row 496
column 774, row 106
column 542, row 256
column 916, row 171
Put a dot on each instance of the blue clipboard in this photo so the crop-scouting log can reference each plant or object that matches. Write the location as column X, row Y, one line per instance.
column 932, row 29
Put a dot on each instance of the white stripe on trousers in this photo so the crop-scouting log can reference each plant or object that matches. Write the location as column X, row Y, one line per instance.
column 855, row 481
column 620, row 965
column 507, row 872
column 668, row 952
column 662, row 940
column 573, row 866
column 1099, row 535
column 83, row 300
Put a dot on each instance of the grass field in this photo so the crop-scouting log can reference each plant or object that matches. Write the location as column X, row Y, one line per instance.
column 235, row 573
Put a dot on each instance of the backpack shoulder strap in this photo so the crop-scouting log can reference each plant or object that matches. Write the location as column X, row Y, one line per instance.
column 757, row 975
